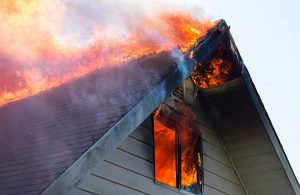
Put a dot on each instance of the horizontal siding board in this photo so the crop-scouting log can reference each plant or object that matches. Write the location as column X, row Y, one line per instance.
column 97, row 185
column 212, row 138
column 201, row 118
column 262, row 158
column 137, row 148
column 265, row 176
column 260, row 168
column 268, row 185
column 128, row 178
column 281, row 191
column 211, row 191
column 148, row 122
column 222, row 184
column 216, row 153
column 144, row 135
column 220, row 170
column 77, row 191
column 131, row 162
column 204, row 127
column 239, row 133
column 121, row 190
column 251, row 151
column 247, row 142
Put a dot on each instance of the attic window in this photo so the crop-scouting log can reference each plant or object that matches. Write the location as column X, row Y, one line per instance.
column 177, row 154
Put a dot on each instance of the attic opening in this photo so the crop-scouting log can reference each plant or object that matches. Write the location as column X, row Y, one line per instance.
column 177, row 152
column 222, row 65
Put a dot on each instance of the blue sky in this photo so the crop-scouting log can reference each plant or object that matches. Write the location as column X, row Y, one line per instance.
column 267, row 35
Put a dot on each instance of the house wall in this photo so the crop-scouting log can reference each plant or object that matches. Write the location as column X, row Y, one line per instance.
column 247, row 140
column 219, row 174
column 129, row 169
column 255, row 158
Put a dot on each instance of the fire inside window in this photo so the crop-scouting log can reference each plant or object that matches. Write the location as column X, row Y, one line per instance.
column 177, row 154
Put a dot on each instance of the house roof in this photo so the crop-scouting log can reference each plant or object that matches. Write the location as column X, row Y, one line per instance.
column 50, row 141
column 43, row 135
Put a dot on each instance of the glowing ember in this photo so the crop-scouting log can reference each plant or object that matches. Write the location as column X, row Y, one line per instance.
column 217, row 72
column 40, row 49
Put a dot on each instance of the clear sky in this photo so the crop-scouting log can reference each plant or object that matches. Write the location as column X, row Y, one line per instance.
column 267, row 34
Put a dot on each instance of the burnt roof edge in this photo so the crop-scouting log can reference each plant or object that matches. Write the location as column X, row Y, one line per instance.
column 69, row 179
column 259, row 106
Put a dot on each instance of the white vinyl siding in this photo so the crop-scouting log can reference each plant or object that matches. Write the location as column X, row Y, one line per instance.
column 129, row 169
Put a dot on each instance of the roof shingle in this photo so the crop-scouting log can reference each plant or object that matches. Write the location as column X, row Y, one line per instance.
column 41, row 136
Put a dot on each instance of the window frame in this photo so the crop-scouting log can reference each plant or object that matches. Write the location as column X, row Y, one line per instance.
column 172, row 116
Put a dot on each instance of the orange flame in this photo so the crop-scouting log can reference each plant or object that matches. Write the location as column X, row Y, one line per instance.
column 218, row 71
column 165, row 154
column 190, row 156
column 36, row 55
column 190, row 150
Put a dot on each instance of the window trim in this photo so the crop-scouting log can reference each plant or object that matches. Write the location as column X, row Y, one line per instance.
column 178, row 128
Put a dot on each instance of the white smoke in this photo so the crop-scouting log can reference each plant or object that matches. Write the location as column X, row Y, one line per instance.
column 89, row 20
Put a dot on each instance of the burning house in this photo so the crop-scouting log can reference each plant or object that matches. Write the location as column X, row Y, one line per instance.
column 173, row 122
